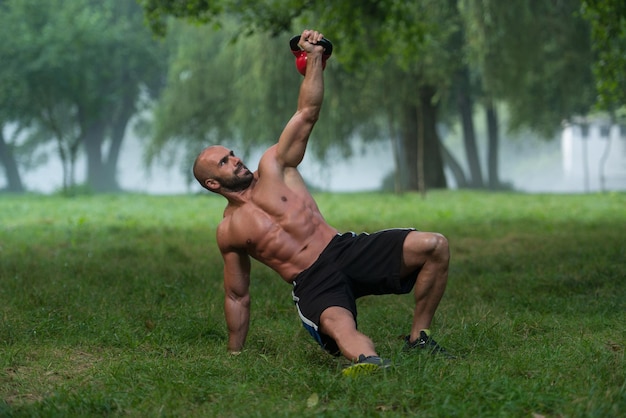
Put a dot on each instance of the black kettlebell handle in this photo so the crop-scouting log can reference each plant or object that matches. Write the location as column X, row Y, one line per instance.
column 328, row 46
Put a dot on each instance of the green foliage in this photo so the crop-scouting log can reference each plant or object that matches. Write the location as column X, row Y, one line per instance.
column 242, row 93
column 81, row 68
column 157, row 11
column 367, row 32
column 219, row 91
column 534, row 56
column 608, row 33
column 112, row 305
column 395, row 57
column 367, row 94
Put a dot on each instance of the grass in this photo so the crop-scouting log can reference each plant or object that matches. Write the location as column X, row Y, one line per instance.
column 112, row 306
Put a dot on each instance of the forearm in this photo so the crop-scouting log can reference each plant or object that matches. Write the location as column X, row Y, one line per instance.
column 312, row 88
column 237, row 313
column 293, row 140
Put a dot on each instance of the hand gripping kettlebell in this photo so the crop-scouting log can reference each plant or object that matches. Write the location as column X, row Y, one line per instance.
column 301, row 55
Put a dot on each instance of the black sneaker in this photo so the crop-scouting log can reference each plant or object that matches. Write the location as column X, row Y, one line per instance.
column 366, row 365
column 424, row 342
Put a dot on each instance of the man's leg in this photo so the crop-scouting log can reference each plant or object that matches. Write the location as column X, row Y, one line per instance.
column 430, row 252
column 338, row 323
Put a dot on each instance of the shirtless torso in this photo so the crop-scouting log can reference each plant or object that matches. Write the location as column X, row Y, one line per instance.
column 272, row 217
column 275, row 221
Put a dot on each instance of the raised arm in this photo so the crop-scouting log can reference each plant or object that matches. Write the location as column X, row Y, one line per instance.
column 293, row 140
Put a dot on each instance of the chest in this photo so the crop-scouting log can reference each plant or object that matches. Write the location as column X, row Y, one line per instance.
column 276, row 215
column 279, row 201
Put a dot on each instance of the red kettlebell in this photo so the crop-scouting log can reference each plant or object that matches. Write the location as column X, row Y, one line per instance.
column 301, row 55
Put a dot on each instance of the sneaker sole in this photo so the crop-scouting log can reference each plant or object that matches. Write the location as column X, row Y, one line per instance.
column 360, row 369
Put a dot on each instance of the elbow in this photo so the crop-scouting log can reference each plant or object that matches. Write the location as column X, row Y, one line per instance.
column 311, row 114
column 245, row 301
column 239, row 300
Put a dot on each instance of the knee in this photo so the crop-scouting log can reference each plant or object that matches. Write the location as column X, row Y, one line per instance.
column 425, row 247
column 441, row 248
column 436, row 246
column 441, row 243
column 335, row 321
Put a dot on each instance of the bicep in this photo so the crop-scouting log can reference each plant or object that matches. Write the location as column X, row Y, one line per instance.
column 236, row 265
column 236, row 274
column 293, row 140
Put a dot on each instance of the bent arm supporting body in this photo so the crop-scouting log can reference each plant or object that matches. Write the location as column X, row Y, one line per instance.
column 236, row 299
column 237, row 312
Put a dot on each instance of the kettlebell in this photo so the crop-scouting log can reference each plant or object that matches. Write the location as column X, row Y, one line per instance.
column 301, row 55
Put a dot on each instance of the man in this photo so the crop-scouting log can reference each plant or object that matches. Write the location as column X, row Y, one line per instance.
column 272, row 217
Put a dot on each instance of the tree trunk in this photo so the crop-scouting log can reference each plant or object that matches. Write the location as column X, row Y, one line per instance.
column 118, row 131
column 93, row 135
column 421, row 182
column 409, row 140
column 396, row 147
column 465, row 105
column 7, row 159
column 455, row 167
column 433, row 162
column 434, row 176
column 493, row 138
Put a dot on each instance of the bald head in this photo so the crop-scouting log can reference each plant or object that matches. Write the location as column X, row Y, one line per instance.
column 202, row 166
column 218, row 170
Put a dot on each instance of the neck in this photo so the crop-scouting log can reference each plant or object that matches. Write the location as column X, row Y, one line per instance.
column 239, row 197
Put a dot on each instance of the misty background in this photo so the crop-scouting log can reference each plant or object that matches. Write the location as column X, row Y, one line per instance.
column 104, row 97
column 528, row 165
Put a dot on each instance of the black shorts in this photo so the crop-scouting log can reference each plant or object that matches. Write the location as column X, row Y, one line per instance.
column 350, row 266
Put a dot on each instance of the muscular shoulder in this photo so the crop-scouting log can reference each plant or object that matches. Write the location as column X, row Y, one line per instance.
column 272, row 171
column 269, row 161
column 223, row 236
column 239, row 225
column 229, row 231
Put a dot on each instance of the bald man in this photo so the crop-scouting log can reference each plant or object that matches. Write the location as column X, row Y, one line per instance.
column 272, row 217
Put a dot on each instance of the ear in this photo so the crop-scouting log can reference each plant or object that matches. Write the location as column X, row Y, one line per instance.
column 212, row 184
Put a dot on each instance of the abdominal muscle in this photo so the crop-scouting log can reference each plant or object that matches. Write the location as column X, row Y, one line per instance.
column 290, row 253
column 288, row 242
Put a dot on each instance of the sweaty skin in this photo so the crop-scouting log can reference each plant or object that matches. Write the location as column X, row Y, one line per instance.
column 276, row 221
column 272, row 217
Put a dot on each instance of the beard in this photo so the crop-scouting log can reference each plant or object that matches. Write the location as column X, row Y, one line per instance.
column 237, row 182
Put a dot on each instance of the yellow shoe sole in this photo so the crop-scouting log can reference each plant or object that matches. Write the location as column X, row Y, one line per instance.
column 360, row 369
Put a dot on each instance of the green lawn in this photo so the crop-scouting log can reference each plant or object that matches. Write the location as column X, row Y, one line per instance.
column 112, row 306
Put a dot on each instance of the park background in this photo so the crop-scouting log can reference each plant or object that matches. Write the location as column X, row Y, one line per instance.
column 498, row 124
column 118, row 95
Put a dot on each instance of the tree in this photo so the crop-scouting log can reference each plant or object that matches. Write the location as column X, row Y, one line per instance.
column 608, row 34
column 85, row 66
column 534, row 56
column 8, row 161
column 393, row 28
column 242, row 93
column 12, row 89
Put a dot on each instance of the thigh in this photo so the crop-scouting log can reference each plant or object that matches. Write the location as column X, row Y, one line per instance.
column 319, row 294
column 322, row 290
column 336, row 321
column 374, row 263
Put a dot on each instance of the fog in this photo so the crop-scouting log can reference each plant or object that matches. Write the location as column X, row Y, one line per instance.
column 566, row 164
column 364, row 172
